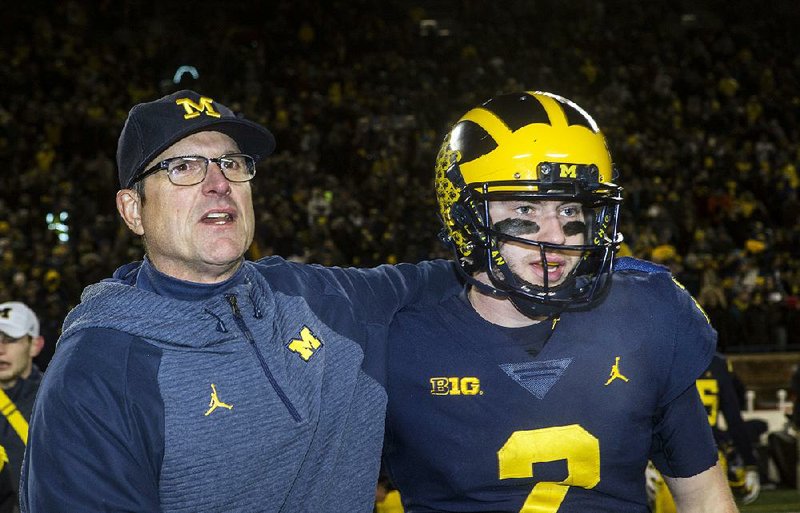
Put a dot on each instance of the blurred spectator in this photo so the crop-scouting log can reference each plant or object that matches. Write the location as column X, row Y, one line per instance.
column 20, row 342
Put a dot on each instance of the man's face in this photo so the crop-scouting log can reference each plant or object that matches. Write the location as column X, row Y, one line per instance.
column 16, row 356
column 200, row 232
column 554, row 222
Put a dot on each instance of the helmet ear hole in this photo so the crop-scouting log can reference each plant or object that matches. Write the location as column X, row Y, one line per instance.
column 460, row 215
column 468, row 222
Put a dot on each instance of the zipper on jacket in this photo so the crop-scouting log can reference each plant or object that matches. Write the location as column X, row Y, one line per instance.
column 237, row 315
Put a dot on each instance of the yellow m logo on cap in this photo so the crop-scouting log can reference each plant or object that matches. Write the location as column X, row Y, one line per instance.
column 195, row 109
column 306, row 345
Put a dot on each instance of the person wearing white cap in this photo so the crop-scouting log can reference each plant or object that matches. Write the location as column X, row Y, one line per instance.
column 20, row 342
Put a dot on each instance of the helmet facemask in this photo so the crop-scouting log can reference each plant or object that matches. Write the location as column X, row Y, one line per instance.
column 597, row 222
column 530, row 147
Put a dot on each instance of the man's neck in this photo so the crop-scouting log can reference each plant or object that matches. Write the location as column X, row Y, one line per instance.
column 200, row 273
column 153, row 280
column 498, row 310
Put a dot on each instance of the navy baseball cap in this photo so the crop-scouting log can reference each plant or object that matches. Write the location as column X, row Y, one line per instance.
column 152, row 127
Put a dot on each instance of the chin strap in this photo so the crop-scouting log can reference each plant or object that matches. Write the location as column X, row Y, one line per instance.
column 529, row 306
column 532, row 309
column 484, row 288
column 525, row 305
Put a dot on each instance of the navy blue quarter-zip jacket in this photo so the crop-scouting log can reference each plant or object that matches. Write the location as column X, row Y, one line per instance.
column 261, row 394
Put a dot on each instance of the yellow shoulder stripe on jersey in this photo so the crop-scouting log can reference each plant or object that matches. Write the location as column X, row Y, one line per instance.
column 679, row 284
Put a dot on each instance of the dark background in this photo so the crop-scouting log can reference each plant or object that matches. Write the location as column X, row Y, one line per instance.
column 699, row 101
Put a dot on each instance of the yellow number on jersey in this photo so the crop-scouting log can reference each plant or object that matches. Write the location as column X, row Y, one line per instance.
column 523, row 449
column 709, row 394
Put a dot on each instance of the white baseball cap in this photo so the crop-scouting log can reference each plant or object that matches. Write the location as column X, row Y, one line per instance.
column 17, row 320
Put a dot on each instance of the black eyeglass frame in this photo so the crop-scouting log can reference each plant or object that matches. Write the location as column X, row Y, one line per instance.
column 250, row 162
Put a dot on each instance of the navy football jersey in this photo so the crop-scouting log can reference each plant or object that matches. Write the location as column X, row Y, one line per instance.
column 561, row 416
column 718, row 393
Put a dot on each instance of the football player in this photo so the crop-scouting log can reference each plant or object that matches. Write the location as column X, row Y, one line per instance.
column 549, row 383
column 718, row 393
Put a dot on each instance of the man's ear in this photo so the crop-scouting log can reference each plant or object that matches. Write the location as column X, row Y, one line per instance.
column 129, row 206
column 36, row 345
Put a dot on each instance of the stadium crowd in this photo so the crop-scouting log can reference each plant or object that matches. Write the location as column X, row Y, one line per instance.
column 701, row 108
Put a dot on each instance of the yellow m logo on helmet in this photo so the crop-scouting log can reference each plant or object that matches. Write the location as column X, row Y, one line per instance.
column 567, row 170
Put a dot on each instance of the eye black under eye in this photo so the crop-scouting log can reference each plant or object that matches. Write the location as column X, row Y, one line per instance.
column 516, row 227
column 574, row 228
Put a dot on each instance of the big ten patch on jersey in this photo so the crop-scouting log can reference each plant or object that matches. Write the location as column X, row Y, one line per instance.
column 455, row 385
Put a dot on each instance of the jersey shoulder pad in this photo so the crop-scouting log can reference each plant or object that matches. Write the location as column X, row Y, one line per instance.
column 635, row 264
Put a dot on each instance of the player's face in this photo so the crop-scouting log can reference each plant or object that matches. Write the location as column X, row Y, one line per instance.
column 554, row 222
column 199, row 232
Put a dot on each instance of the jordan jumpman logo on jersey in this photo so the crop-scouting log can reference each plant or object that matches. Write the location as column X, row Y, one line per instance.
column 615, row 373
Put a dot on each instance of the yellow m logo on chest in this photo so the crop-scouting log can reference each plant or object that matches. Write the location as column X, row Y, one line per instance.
column 306, row 345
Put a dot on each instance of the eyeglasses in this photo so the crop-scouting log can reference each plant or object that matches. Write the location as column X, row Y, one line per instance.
column 192, row 169
column 7, row 339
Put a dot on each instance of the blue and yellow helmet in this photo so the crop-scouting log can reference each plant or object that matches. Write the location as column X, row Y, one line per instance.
column 536, row 146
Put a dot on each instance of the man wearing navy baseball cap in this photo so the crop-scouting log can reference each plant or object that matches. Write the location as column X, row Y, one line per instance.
column 195, row 380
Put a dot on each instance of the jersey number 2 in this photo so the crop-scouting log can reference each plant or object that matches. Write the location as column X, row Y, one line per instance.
column 523, row 449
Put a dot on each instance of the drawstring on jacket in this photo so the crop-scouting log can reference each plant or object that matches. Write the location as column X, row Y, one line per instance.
column 220, row 325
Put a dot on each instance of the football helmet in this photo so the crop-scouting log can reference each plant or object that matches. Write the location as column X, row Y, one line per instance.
column 531, row 146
